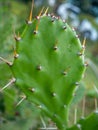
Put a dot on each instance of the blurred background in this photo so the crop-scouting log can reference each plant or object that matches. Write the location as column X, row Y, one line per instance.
column 79, row 14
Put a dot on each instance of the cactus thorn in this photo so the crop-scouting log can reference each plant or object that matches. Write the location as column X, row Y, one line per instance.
column 64, row 27
column 7, row 62
column 17, row 37
column 65, row 71
column 33, row 89
column 39, row 106
column 80, row 53
column 64, row 21
column 39, row 67
column 53, row 94
column 35, row 32
column 52, row 20
column 74, row 29
column 77, row 36
column 36, row 29
column 8, row 84
column 23, row 98
column 76, row 83
column 84, row 42
column 29, row 21
column 46, row 11
column 15, row 54
column 55, row 47
column 86, row 64
column 40, row 13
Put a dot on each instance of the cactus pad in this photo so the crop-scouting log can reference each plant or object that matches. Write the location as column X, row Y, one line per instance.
column 48, row 65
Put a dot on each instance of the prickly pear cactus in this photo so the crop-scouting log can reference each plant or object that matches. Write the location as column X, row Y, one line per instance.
column 48, row 64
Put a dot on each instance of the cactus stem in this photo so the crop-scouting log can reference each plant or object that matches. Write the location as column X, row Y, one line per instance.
column 29, row 21
column 23, row 98
column 7, row 85
column 7, row 62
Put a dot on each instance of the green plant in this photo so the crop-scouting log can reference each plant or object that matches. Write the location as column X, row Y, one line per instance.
column 48, row 65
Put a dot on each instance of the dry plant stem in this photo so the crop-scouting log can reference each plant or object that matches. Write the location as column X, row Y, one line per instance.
column 96, row 89
column 83, row 108
column 48, row 128
column 43, row 122
column 75, row 116
column 95, row 104
column 93, row 66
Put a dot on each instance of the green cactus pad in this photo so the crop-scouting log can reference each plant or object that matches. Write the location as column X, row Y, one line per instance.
column 88, row 123
column 48, row 65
